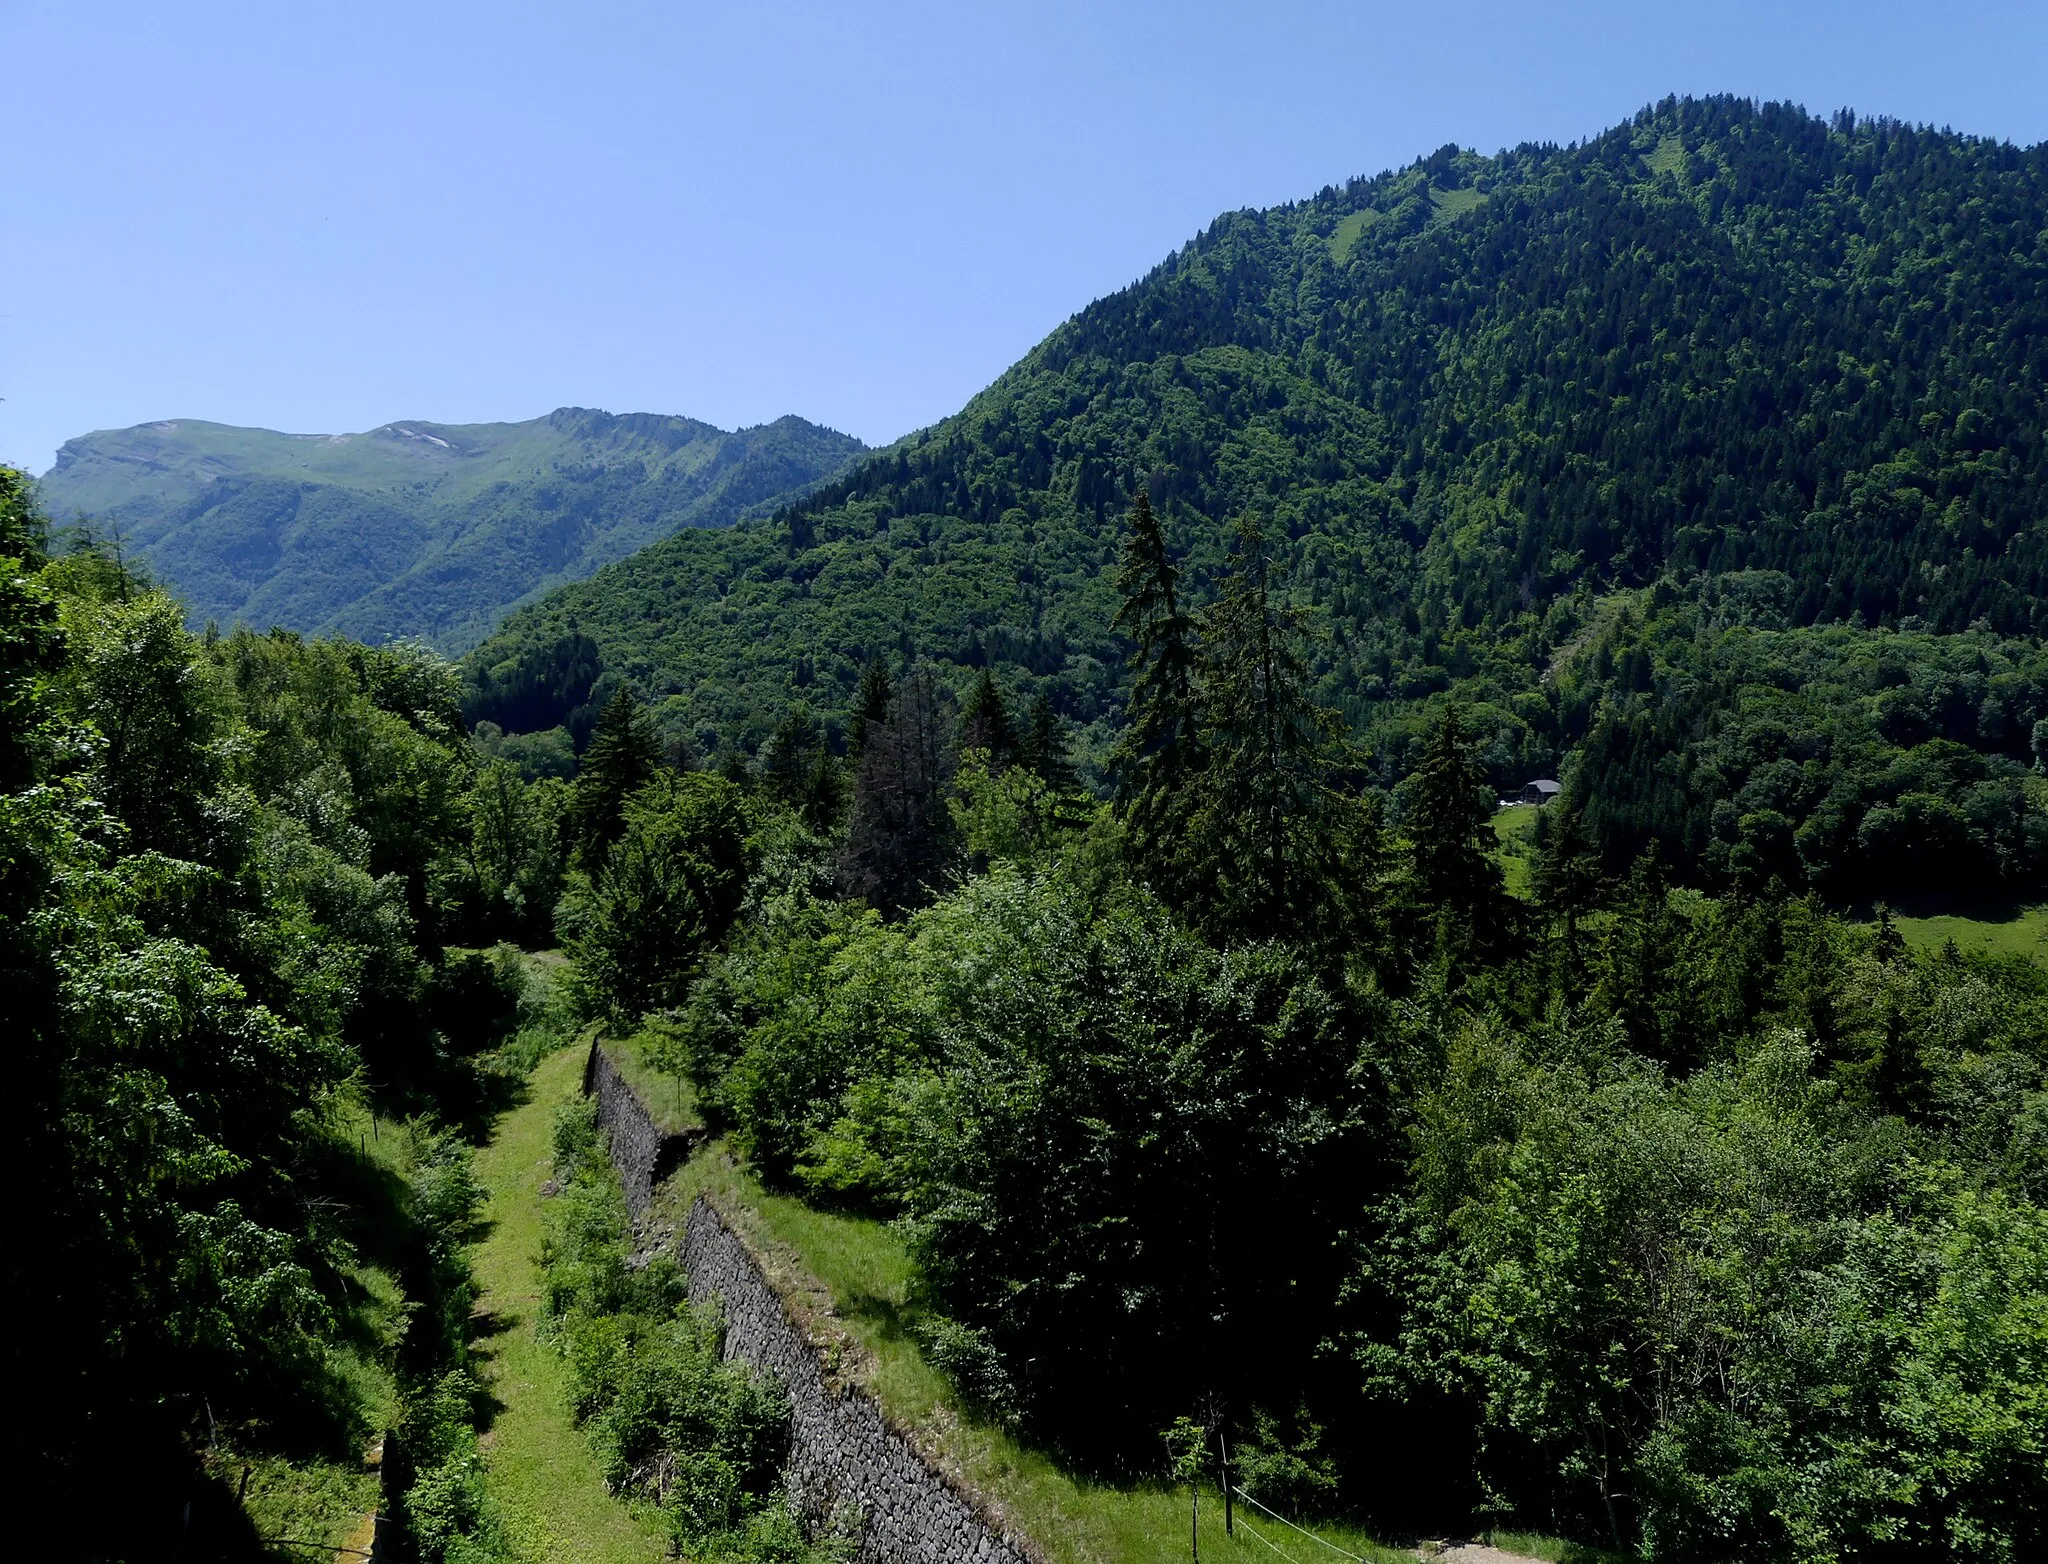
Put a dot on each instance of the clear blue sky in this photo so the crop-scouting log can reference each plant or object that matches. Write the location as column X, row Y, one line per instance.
column 322, row 217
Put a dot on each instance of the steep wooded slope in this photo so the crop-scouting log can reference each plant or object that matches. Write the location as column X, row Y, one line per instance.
column 1470, row 397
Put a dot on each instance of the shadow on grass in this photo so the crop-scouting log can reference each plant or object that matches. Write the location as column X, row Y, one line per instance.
column 1977, row 906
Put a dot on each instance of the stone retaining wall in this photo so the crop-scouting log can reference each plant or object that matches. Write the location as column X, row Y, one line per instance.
column 847, row 1463
column 642, row 1151
column 845, row 1460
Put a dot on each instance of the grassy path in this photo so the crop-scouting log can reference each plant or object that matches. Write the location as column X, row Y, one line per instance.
column 540, row 1470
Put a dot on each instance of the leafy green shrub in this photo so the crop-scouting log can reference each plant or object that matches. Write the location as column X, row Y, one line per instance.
column 969, row 1358
column 443, row 1507
column 1064, row 1099
column 669, row 1419
column 445, row 1199
column 1295, row 1476
column 475, row 996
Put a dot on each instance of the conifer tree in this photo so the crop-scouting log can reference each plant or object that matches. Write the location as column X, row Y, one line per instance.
column 899, row 836
column 1897, row 1078
column 623, row 757
column 1640, row 966
column 787, row 759
column 1568, row 874
column 798, row 771
column 1457, row 885
column 985, row 723
column 1253, row 833
column 1887, row 945
column 1160, row 750
column 870, row 705
column 1044, row 746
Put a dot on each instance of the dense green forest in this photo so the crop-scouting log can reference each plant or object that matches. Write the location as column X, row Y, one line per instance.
column 417, row 529
column 255, row 899
column 1784, row 374
column 1689, row 1227
column 1248, row 1101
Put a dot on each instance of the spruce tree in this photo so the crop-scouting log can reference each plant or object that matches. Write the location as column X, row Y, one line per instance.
column 1887, row 945
column 789, row 757
column 1160, row 750
column 799, row 772
column 985, row 723
column 1044, row 746
column 1568, row 873
column 733, row 766
column 1456, row 884
column 870, row 705
column 899, row 836
column 623, row 757
column 1640, row 969
column 1254, row 835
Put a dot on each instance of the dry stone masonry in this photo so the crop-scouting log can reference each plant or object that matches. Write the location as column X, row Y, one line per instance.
column 847, row 1463
column 642, row 1151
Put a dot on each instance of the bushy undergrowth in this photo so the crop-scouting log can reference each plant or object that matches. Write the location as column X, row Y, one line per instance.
column 444, row 1509
column 673, row 1425
column 437, row 1472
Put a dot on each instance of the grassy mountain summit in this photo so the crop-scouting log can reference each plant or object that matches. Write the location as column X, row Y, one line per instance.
column 1476, row 402
column 419, row 528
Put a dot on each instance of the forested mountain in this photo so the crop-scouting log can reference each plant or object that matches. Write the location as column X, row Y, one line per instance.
column 418, row 529
column 1729, row 362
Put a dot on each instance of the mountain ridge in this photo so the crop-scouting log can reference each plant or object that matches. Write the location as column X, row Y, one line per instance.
column 418, row 527
column 1725, row 359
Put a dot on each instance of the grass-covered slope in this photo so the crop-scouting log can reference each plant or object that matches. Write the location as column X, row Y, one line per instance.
column 420, row 529
column 1469, row 397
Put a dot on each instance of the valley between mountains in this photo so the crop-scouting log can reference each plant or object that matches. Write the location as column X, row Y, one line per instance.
column 1399, row 883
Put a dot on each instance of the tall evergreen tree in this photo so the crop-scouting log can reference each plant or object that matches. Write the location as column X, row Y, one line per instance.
column 1457, row 885
column 898, row 838
column 1568, row 874
column 623, row 757
column 985, row 722
column 1160, row 750
column 1259, row 797
column 870, row 705
column 1639, row 981
column 787, row 758
column 798, row 771
column 1044, row 745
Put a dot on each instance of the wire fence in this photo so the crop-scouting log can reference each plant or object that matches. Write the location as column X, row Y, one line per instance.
column 1284, row 1521
column 1269, row 1542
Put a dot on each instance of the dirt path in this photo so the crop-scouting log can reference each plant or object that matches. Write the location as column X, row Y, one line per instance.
column 1473, row 1553
column 540, row 1470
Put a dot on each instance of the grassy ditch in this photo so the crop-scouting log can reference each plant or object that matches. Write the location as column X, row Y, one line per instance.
column 539, row 1470
column 320, row 1486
